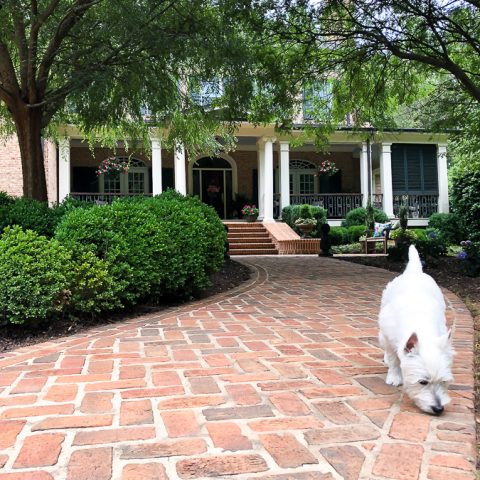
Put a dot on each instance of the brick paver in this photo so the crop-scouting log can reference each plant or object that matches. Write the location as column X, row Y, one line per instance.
column 279, row 379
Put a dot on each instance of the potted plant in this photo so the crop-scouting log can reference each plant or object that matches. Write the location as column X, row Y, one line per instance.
column 250, row 213
column 306, row 222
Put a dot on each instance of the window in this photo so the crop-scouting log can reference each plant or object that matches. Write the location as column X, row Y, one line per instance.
column 317, row 100
column 302, row 177
column 207, row 92
column 414, row 169
column 135, row 182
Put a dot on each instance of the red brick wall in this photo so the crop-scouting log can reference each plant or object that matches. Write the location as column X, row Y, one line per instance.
column 11, row 167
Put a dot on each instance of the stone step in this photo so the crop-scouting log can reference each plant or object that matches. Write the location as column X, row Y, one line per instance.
column 252, row 246
column 253, row 252
column 249, row 235
column 249, row 240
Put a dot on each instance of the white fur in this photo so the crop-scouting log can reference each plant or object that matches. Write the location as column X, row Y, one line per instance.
column 414, row 336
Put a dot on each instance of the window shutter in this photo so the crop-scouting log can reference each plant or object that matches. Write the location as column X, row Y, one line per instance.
column 398, row 169
column 430, row 174
column 414, row 168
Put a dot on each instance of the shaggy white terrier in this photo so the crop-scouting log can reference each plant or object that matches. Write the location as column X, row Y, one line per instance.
column 414, row 335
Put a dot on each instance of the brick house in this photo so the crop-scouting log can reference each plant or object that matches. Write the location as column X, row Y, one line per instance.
column 401, row 165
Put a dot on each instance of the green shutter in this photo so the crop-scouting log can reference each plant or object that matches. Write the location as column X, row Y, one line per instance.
column 430, row 173
column 398, row 169
column 414, row 168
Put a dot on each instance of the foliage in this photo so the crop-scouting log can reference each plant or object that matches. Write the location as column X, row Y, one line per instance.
column 370, row 218
column 249, row 210
column 465, row 198
column 358, row 216
column 449, row 225
column 327, row 167
column 403, row 235
column 152, row 247
column 470, row 257
column 355, row 232
column 292, row 213
column 5, row 199
column 347, row 248
column 92, row 286
column 403, row 216
column 30, row 215
column 338, row 236
column 305, row 221
column 430, row 244
column 306, row 211
column 113, row 165
column 34, row 276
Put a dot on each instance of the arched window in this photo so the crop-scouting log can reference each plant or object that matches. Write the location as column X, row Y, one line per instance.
column 302, row 177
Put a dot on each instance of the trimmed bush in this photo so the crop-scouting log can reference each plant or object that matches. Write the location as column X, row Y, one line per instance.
column 292, row 213
column 355, row 232
column 358, row 216
column 465, row 197
column 34, row 276
column 430, row 243
column 152, row 247
column 449, row 225
column 338, row 236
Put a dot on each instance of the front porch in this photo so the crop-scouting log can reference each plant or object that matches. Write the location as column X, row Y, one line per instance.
column 272, row 174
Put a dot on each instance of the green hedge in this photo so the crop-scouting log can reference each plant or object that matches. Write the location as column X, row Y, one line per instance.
column 108, row 257
column 449, row 225
column 358, row 216
column 465, row 197
column 291, row 213
column 166, row 245
column 34, row 276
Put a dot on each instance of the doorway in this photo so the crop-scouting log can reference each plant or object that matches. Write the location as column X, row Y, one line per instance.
column 212, row 182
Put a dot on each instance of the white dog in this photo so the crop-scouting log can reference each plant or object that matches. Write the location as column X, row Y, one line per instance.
column 414, row 335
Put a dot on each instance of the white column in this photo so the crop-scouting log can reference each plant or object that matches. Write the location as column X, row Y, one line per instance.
column 180, row 171
column 284, row 175
column 364, row 174
column 156, row 166
column 386, row 178
column 443, row 206
column 268, row 177
column 63, row 168
column 261, row 178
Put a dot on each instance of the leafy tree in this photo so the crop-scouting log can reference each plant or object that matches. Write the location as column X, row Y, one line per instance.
column 384, row 54
column 99, row 63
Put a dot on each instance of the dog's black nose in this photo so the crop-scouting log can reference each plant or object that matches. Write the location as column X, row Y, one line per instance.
column 437, row 410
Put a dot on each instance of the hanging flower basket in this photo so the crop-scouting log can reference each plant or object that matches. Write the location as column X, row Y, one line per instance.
column 113, row 165
column 327, row 168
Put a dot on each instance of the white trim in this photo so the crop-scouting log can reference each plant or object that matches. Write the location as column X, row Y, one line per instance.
column 179, row 169
column 386, row 178
column 442, row 171
column 284, row 175
column 156, row 166
column 63, row 168
column 268, row 177
column 364, row 174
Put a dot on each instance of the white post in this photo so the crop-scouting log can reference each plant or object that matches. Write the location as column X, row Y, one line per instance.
column 180, row 171
column 386, row 178
column 63, row 168
column 268, row 177
column 261, row 178
column 442, row 169
column 156, row 166
column 364, row 174
column 284, row 175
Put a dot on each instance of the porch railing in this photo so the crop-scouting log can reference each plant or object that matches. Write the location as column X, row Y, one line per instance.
column 101, row 198
column 337, row 205
column 419, row 206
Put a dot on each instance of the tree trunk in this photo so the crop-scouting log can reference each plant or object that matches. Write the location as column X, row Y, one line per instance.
column 29, row 132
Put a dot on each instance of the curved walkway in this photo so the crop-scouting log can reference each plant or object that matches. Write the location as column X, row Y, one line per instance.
column 279, row 379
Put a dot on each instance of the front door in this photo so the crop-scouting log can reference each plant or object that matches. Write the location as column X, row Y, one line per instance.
column 213, row 190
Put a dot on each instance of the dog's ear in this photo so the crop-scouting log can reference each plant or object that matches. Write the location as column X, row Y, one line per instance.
column 411, row 343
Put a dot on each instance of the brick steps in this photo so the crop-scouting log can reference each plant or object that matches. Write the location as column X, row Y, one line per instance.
column 249, row 239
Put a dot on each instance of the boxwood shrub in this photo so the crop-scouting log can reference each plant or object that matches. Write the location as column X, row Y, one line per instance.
column 291, row 213
column 358, row 216
column 449, row 225
column 152, row 247
column 34, row 276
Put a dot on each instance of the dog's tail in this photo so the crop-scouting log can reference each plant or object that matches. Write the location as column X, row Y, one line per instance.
column 414, row 262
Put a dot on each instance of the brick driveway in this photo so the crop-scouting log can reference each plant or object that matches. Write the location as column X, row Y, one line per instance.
column 279, row 379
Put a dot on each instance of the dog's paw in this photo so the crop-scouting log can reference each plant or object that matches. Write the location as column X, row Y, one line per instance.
column 394, row 378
